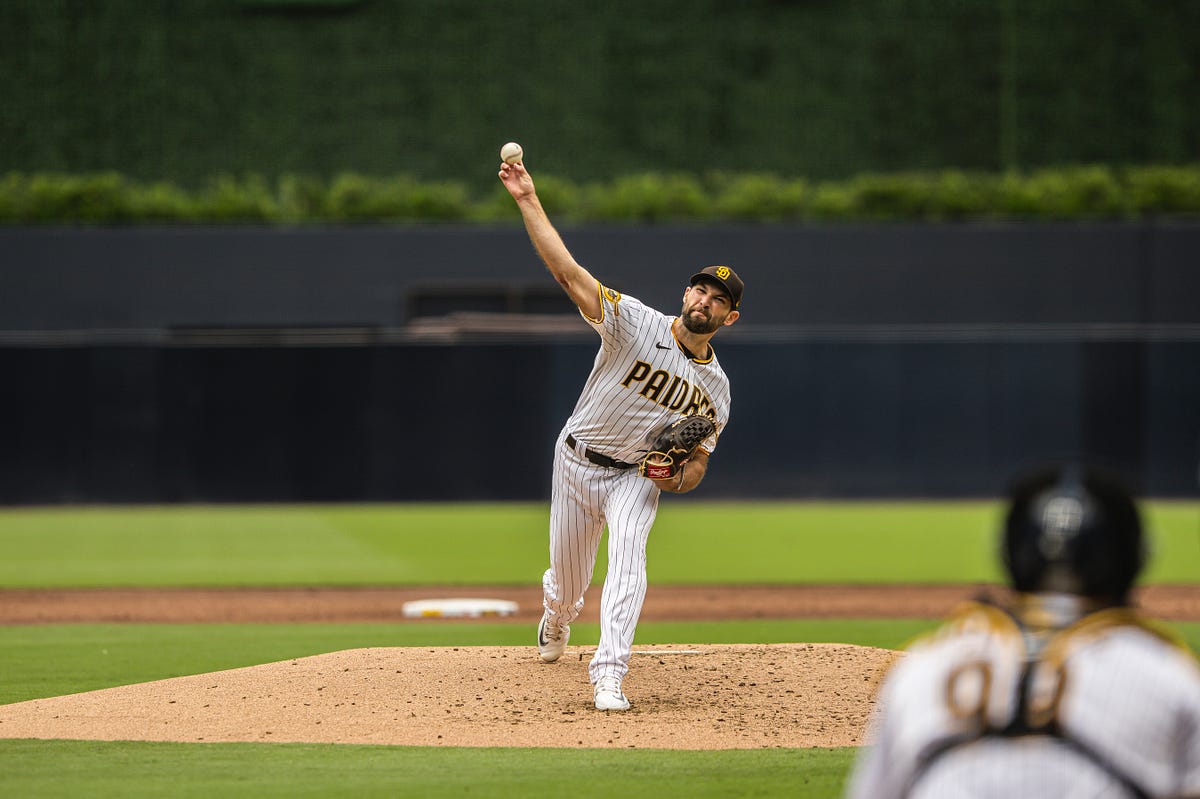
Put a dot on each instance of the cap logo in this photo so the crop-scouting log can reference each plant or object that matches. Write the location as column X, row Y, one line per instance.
column 723, row 272
column 1062, row 518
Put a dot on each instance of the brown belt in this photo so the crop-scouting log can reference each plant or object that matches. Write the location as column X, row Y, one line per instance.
column 597, row 458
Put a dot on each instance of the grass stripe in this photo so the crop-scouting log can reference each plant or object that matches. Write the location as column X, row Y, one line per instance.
column 693, row 542
column 133, row 769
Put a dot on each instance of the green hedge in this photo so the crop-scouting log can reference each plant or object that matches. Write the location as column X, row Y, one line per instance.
column 186, row 89
column 1087, row 192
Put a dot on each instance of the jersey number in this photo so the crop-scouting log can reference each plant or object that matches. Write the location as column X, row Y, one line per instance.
column 969, row 694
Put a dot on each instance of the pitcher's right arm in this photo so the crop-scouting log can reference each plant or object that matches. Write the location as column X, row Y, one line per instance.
column 577, row 282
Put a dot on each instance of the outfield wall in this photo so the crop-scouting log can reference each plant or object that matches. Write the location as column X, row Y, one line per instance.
column 144, row 283
column 818, row 418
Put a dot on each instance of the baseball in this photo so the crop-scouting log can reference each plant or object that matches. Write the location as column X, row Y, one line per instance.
column 511, row 153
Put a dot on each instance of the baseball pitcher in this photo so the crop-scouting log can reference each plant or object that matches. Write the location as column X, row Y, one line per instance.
column 647, row 420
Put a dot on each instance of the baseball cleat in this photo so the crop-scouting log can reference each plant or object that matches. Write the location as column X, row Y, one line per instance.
column 552, row 639
column 609, row 696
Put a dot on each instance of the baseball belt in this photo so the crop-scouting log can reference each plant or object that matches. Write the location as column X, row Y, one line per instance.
column 597, row 458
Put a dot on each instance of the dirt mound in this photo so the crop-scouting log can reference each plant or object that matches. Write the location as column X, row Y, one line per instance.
column 684, row 697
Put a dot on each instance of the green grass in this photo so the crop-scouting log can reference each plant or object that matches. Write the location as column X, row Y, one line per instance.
column 693, row 542
column 232, row 771
column 272, row 545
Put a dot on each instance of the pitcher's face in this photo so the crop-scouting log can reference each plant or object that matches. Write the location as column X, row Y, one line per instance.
column 706, row 307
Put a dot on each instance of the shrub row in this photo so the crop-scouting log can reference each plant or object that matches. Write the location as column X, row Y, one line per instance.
column 1066, row 193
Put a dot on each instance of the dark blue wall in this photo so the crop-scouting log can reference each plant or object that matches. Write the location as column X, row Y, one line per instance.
column 150, row 279
column 811, row 419
column 882, row 361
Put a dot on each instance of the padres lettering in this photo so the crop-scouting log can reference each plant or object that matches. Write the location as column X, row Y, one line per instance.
column 676, row 395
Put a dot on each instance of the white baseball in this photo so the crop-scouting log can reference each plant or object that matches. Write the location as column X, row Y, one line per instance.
column 511, row 153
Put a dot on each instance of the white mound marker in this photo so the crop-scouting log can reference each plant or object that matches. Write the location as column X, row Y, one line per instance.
column 458, row 608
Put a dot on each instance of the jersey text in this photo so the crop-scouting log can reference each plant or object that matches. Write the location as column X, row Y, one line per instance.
column 670, row 391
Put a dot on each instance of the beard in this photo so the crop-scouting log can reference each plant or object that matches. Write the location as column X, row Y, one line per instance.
column 699, row 323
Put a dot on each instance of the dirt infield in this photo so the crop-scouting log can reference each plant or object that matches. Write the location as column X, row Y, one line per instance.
column 684, row 696
column 663, row 603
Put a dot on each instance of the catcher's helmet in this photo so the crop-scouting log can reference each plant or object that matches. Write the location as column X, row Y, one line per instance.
column 1073, row 530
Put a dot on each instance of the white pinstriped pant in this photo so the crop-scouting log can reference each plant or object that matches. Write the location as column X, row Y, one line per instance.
column 583, row 498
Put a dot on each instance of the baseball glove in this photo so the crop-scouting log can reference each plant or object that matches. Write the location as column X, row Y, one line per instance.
column 674, row 445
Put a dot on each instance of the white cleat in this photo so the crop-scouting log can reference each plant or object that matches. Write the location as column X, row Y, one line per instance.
column 552, row 639
column 609, row 696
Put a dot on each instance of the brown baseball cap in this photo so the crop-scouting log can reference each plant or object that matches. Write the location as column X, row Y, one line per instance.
column 724, row 277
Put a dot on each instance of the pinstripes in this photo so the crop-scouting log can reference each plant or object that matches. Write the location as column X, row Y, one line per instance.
column 1129, row 710
column 576, row 522
column 585, row 497
column 620, row 420
column 641, row 381
column 630, row 507
column 1032, row 769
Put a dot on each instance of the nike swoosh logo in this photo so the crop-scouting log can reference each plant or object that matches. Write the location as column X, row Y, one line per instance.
column 662, row 346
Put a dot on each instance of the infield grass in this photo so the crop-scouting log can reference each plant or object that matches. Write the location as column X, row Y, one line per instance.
column 244, row 771
column 692, row 542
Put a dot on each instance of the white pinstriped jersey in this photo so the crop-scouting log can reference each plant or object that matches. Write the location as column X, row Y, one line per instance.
column 642, row 381
column 1112, row 710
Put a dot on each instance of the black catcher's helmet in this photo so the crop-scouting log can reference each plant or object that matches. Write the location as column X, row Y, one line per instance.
column 1073, row 530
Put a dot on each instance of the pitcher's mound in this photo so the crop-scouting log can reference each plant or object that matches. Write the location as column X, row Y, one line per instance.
column 684, row 697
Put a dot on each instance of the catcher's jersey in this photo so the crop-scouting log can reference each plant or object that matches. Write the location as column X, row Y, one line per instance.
column 1111, row 709
column 643, row 380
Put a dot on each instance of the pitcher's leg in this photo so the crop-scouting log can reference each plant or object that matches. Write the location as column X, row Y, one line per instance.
column 576, row 523
column 630, row 512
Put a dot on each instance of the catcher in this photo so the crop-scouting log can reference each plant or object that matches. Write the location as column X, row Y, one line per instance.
column 647, row 420
column 1062, row 690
